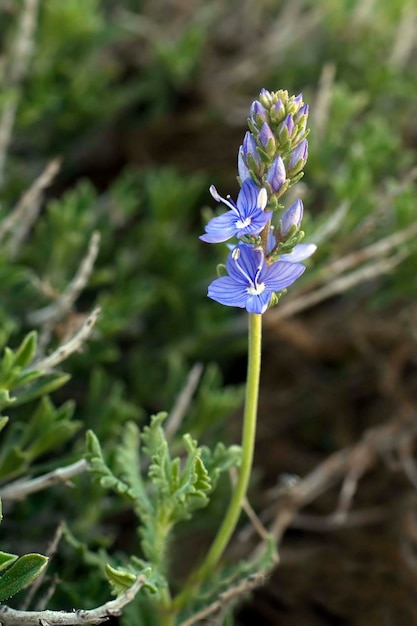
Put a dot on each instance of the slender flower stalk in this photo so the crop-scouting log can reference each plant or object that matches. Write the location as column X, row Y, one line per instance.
column 248, row 444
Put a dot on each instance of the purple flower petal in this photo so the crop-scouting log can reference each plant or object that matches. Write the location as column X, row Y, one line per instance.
column 228, row 292
column 281, row 275
column 301, row 252
column 259, row 303
column 244, row 263
column 220, row 228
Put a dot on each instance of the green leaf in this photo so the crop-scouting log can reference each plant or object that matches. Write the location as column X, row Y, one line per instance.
column 120, row 580
column 47, row 384
column 6, row 560
column 27, row 350
column 5, row 399
column 129, row 468
column 100, row 470
column 3, row 421
column 20, row 574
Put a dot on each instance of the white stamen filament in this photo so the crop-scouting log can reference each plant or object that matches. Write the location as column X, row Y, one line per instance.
column 254, row 288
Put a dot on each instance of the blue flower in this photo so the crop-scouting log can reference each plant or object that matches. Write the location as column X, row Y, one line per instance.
column 251, row 282
column 246, row 216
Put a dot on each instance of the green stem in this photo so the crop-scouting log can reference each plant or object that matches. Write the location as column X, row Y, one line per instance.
column 248, row 443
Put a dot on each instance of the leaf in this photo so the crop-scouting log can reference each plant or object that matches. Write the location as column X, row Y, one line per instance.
column 20, row 574
column 3, row 421
column 128, row 465
column 100, row 470
column 5, row 399
column 47, row 384
column 27, row 350
column 120, row 580
column 6, row 559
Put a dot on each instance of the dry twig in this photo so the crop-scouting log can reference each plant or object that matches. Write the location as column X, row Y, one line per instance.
column 15, row 72
column 62, row 305
column 183, row 401
column 226, row 599
column 13, row 617
column 20, row 489
column 26, row 209
column 73, row 345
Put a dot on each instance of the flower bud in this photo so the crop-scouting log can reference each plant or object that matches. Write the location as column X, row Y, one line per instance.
column 302, row 114
column 276, row 176
column 298, row 158
column 249, row 147
column 277, row 112
column 258, row 113
column 266, row 97
column 266, row 139
column 286, row 128
column 242, row 168
column 292, row 217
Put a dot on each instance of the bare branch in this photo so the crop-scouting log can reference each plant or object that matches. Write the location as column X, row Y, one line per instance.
column 113, row 608
column 58, row 309
column 405, row 38
column 337, row 286
column 15, row 73
column 321, row 107
column 73, row 345
column 225, row 599
column 330, row 523
column 374, row 444
column 183, row 401
column 26, row 209
column 50, row 552
column 22, row 488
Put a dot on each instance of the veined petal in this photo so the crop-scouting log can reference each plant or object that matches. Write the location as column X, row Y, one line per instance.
column 258, row 303
column 257, row 222
column 281, row 275
column 247, row 199
column 220, row 228
column 227, row 291
column 244, row 263
column 301, row 252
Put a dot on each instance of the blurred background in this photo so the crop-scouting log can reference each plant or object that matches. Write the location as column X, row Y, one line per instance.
column 145, row 104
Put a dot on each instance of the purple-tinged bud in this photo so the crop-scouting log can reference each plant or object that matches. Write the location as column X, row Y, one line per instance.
column 265, row 97
column 292, row 217
column 298, row 100
column 277, row 111
column 266, row 139
column 242, row 168
column 298, row 158
column 258, row 112
column 276, row 176
column 250, row 147
column 286, row 129
column 302, row 113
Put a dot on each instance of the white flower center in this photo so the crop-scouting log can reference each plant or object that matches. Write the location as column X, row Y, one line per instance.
column 256, row 289
column 243, row 223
